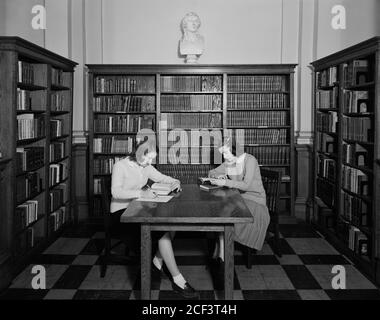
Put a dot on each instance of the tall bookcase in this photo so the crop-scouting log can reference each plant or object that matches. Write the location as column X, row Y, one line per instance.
column 176, row 101
column 347, row 151
column 36, row 97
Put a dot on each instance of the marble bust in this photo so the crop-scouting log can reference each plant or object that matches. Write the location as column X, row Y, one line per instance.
column 191, row 44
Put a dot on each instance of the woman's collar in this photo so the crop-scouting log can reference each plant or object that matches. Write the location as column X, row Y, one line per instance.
column 240, row 159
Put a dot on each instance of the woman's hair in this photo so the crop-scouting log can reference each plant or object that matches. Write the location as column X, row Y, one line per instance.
column 143, row 147
column 187, row 16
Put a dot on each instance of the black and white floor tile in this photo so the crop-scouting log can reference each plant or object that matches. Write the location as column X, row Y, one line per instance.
column 302, row 273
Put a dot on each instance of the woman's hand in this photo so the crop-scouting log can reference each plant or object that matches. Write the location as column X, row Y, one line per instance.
column 218, row 176
column 149, row 194
column 218, row 182
column 176, row 185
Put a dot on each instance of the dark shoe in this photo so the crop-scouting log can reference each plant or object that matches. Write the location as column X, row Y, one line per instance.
column 164, row 272
column 188, row 292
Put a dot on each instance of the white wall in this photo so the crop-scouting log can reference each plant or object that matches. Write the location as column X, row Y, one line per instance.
column 237, row 32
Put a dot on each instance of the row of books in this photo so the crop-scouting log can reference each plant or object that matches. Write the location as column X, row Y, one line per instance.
column 191, row 102
column 114, row 144
column 355, row 72
column 31, row 100
column 57, row 173
column 203, row 120
column 355, row 210
column 256, row 83
column 57, row 197
column 191, row 83
column 125, row 84
column 129, row 103
column 56, row 128
column 326, row 192
column 28, row 186
column 355, row 101
column 327, row 168
column 358, row 241
column 60, row 101
column 270, row 155
column 327, row 122
column 56, row 151
column 325, row 143
column 327, row 77
column 261, row 136
column 123, row 123
column 188, row 155
column 256, row 101
column 260, row 118
column 26, row 214
column 57, row 219
column 25, row 72
column 358, row 129
column 186, row 173
column 97, row 186
column 29, row 158
column 105, row 165
column 355, row 154
column 29, row 126
column 327, row 99
column 60, row 77
column 355, row 180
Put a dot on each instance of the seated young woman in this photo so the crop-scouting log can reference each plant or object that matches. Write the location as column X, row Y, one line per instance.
column 129, row 176
column 243, row 172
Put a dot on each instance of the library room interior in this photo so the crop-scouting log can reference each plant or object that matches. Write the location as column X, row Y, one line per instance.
column 189, row 150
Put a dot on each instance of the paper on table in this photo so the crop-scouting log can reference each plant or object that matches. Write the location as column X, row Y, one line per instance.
column 156, row 199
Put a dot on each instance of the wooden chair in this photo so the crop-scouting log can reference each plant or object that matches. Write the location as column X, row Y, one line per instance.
column 271, row 182
column 112, row 228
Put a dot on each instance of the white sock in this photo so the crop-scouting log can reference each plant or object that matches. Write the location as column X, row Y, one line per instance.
column 157, row 262
column 179, row 280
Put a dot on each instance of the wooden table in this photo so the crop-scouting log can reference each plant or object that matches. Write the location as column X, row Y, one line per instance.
column 193, row 209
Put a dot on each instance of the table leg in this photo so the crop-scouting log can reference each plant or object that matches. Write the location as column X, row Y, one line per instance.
column 146, row 255
column 228, row 262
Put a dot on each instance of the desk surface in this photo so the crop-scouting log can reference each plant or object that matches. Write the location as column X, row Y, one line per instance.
column 192, row 205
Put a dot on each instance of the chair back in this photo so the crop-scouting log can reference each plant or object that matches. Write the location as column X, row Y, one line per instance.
column 271, row 182
column 106, row 194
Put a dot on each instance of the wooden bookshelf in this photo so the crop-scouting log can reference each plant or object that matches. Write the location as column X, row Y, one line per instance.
column 200, row 97
column 347, row 117
column 37, row 102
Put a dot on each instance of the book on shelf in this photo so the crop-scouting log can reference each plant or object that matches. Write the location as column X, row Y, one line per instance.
column 57, row 172
column 195, row 121
column 327, row 99
column 61, row 78
column 105, row 165
column 355, row 154
column 191, row 83
column 60, row 101
column 56, row 151
column 355, row 210
column 355, row 180
column 268, row 155
column 327, row 77
column 186, row 102
column 326, row 143
column 326, row 168
column 358, row 241
column 32, row 73
column 125, row 84
column 261, row 136
column 56, row 128
column 31, row 100
column 114, row 144
column 57, row 219
column 256, row 101
column 26, row 214
column 355, row 101
column 357, row 129
column 356, row 72
column 29, row 158
column 130, row 123
column 259, row 118
column 28, row 185
column 30, row 126
column 57, row 197
column 256, row 83
column 131, row 103
column 327, row 122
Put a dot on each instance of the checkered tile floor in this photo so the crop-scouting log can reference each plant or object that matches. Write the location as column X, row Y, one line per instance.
column 303, row 272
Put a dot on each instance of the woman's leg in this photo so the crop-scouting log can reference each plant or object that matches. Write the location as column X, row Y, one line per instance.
column 165, row 250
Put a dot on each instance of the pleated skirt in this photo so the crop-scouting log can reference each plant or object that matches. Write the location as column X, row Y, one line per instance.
column 253, row 234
